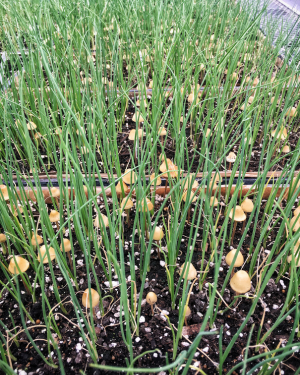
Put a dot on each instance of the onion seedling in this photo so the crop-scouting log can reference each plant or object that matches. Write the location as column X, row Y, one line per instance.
column 54, row 218
column 126, row 205
column 36, row 240
column 297, row 211
column 168, row 169
column 238, row 261
column 3, row 243
column 66, row 247
column 290, row 257
column 162, row 132
column 120, row 188
column 191, row 275
column 146, row 205
column 19, row 265
column 136, row 137
column 55, row 194
column 247, row 207
column 295, row 223
column 4, row 192
column 91, row 295
column 158, row 235
column 192, row 199
column 38, row 138
column 31, row 126
column 238, row 216
column 187, row 314
column 230, row 158
column 151, row 298
column 296, row 254
column 240, row 283
column 286, row 149
column 291, row 112
column 156, row 181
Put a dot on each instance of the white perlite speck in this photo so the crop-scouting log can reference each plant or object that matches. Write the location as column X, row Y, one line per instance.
column 78, row 347
column 142, row 319
column 114, row 283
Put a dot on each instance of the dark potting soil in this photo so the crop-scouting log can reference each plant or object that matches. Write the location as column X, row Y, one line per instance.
column 154, row 330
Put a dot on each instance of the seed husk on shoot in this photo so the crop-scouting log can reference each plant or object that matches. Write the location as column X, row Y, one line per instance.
column 151, row 298
column 43, row 256
column 192, row 273
column 120, row 187
column 213, row 202
column 31, row 126
column 127, row 205
column 240, row 283
column 137, row 117
column 129, row 177
column 91, row 294
column 98, row 221
column 192, row 199
column 247, row 207
column 162, row 132
column 67, row 247
column 296, row 254
column 133, row 135
column 36, row 240
column 158, row 235
column 3, row 243
column 54, row 218
column 187, row 314
column 4, row 192
column 19, row 265
column 56, row 195
column 238, row 262
column 238, row 215
column 230, row 158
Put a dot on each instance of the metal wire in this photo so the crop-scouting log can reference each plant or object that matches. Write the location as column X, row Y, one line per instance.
column 282, row 23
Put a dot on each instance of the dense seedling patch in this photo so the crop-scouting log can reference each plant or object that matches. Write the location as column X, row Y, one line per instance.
column 115, row 255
